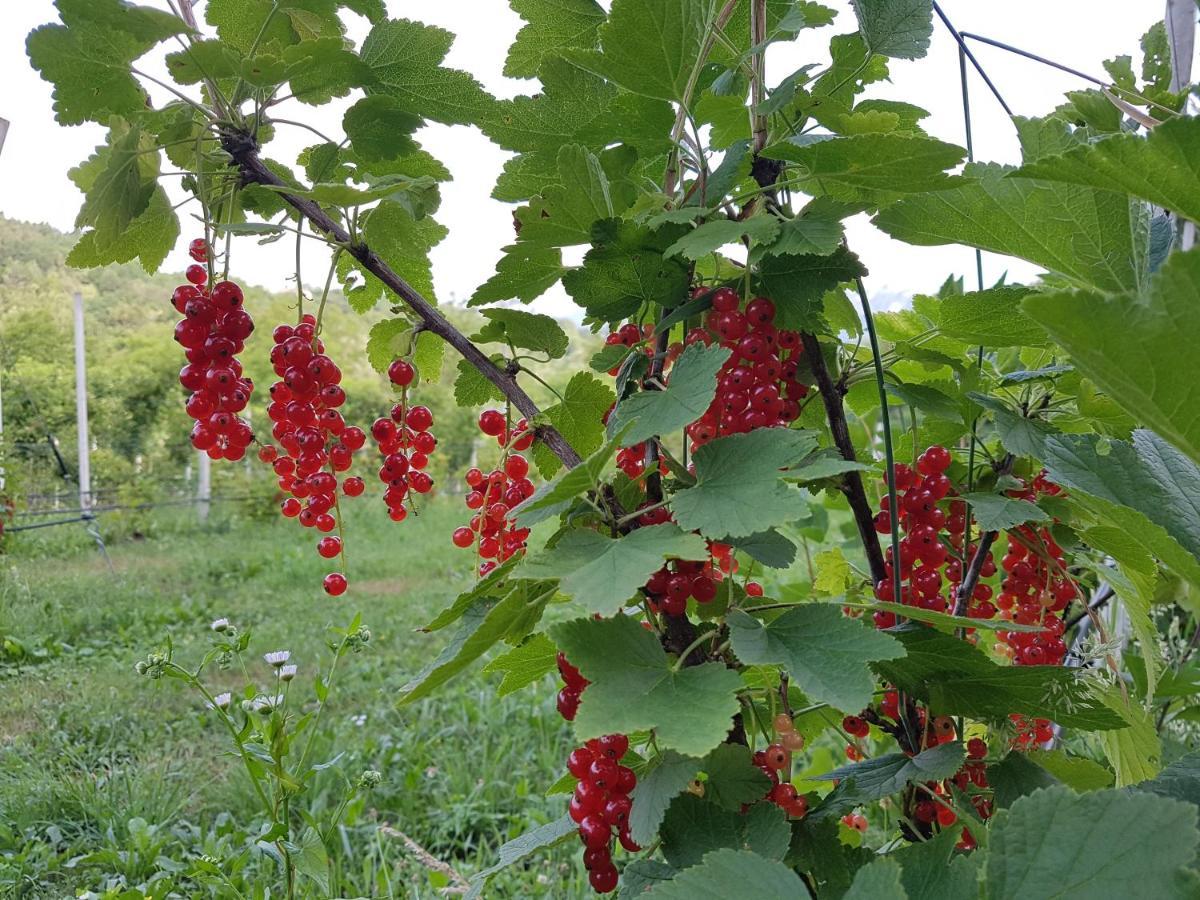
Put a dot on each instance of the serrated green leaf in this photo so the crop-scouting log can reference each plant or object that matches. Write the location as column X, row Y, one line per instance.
column 471, row 388
column 1075, row 772
column 878, row 879
column 203, row 59
column 1016, row 776
column 525, row 664
column 874, row 779
column 732, row 873
column 1135, row 752
column 523, row 273
column 825, row 652
column 797, row 284
column 1161, row 167
column 816, row 230
column 405, row 61
column 1180, row 780
column 555, row 495
column 148, row 238
column 694, row 827
column 602, row 573
column 1034, row 850
column 1137, row 349
column 427, row 356
column 655, row 790
column 633, row 687
column 992, row 318
column 323, row 68
column 379, row 128
column 118, row 182
column 928, row 399
column 649, row 47
column 1095, row 238
column 832, row 571
column 931, row 870
column 712, row 236
column 572, row 101
column 552, row 25
column 896, row 28
column 388, row 340
column 525, row 330
column 733, row 779
column 577, row 417
column 642, row 875
column 958, row 679
column 403, row 243
column 625, row 269
column 1019, row 435
column 871, row 167
column 692, row 386
column 769, row 547
column 567, row 210
column 996, row 512
column 739, row 487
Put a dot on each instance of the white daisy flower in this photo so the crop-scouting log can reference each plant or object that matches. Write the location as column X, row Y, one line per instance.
column 219, row 625
column 277, row 658
column 221, row 701
column 287, row 673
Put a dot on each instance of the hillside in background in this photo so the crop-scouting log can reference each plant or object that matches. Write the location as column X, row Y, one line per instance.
column 138, row 427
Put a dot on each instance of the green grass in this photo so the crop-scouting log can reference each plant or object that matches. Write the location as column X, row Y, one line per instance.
column 111, row 781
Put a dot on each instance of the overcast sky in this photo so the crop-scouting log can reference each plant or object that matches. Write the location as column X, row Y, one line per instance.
column 1080, row 33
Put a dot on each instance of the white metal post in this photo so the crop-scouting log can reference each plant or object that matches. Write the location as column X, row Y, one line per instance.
column 81, row 410
column 203, row 486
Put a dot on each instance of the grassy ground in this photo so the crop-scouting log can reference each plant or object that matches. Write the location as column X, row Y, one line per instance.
column 109, row 781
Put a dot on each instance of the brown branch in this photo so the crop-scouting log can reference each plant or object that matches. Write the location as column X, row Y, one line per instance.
column 852, row 484
column 244, row 151
column 974, row 568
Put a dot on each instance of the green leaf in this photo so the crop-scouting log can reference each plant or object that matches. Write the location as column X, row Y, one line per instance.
column 732, row 873
column 527, row 663
column 655, row 790
column 577, row 417
column 882, row 776
column 958, row 679
column 691, row 388
column 1034, row 850
column 1147, row 476
column 405, row 61
column 1180, row 780
column 1163, row 167
column 712, row 236
column 1135, row 751
column 694, row 827
column 471, row 388
column 118, row 181
column 568, row 209
column 933, row 871
column 992, row 318
column 928, row 399
column 878, row 879
column 388, row 340
column 733, row 779
column 483, row 624
column 379, row 128
column 245, row 24
column 603, row 574
column 642, row 875
column 833, row 571
column 1016, row 776
column 523, row 273
column 1075, row 772
column 817, row 850
column 553, row 25
column 203, row 59
column 797, row 284
column 1019, row 435
column 88, row 58
column 624, row 269
column 312, row 861
column 769, row 547
column 403, row 243
column 816, row 230
column 996, row 512
column 896, row 28
column 650, row 47
column 871, row 167
column 148, row 238
column 634, row 687
column 1095, row 238
column 825, row 652
column 1137, row 349
column 739, row 489
column 572, row 103
column 818, row 468
column 319, row 70
column 525, row 330
column 515, row 850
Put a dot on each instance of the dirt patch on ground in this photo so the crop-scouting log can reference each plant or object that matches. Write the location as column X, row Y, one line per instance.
column 385, row 587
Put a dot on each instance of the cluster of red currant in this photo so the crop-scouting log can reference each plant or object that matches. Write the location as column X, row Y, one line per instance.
column 922, row 550
column 757, row 386
column 1030, row 732
column 492, row 496
column 972, row 780
column 313, row 434
column 600, row 805
column 405, row 442
column 1036, row 588
column 775, row 760
column 213, row 332
column 857, row 821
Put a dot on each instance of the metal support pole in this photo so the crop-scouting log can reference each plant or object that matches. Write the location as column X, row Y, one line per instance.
column 203, row 486
column 81, row 409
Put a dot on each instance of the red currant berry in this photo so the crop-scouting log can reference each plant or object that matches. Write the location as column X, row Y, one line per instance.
column 335, row 584
column 402, row 373
column 491, row 422
column 329, row 547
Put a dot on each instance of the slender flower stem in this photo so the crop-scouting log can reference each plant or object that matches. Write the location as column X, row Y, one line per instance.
column 889, row 454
